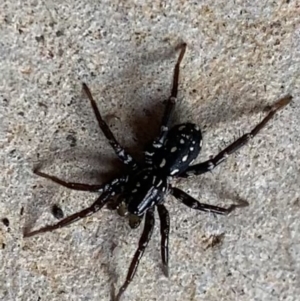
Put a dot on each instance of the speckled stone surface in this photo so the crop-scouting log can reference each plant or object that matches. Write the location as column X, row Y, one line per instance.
column 241, row 57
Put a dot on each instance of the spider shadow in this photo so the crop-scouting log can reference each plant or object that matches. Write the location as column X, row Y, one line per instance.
column 145, row 124
column 108, row 162
column 45, row 190
column 219, row 111
column 40, row 194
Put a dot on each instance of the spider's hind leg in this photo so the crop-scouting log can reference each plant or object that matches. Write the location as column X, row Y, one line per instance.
column 192, row 203
column 170, row 105
column 70, row 185
column 209, row 165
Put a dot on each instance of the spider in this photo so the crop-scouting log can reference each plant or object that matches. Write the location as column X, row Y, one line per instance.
column 145, row 185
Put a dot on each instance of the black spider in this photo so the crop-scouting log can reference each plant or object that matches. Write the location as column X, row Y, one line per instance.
column 145, row 184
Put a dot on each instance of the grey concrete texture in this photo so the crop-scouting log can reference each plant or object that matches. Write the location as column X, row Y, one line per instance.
column 241, row 57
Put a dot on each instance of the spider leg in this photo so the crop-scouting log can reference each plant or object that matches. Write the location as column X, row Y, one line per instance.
column 109, row 190
column 71, row 185
column 170, row 106
column 208, row 165
column 119, row 150
column 145, row 238
column 96, row 206
column 194, row 204
column 164, row 231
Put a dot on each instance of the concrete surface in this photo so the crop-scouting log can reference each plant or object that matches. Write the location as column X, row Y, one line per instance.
column 241, row 57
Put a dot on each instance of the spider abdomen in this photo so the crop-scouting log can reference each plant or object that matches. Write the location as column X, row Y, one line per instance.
column 182, row 145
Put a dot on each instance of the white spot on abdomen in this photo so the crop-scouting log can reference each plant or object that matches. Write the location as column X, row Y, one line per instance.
column 173, row 149
column 184, row 158
column 149, row 154
column 163, row 163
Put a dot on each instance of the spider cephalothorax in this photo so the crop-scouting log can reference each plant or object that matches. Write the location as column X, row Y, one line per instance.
column 145, row 185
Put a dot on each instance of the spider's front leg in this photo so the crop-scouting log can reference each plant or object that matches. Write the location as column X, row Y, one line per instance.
column 109, row 190
column 209, row 165
column 170, row 106
column 71, row 185
column 119, row 150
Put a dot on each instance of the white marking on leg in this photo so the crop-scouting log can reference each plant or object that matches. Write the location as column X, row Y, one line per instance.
column 164, row 129
column 157, row 145
column 159, row 183
column 115, row 181
column 222, row 159
column 211, row 166
column 173, row 172
column 181, row 128
column 121, row 153
column 127, row 161
column 163, row 163
column 134, row 191
column 201, row 142
column 173, row 149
